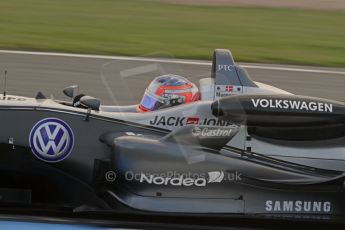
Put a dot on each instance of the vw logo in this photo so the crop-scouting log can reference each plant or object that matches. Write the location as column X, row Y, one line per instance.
column 51, row 140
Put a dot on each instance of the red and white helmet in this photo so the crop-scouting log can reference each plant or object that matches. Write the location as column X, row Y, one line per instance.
column 166, row 91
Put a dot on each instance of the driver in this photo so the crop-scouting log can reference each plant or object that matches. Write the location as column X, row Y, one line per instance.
column 167, row 91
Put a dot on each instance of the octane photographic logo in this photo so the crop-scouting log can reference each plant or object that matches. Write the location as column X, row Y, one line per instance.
column 51, row 140
column 211, row 132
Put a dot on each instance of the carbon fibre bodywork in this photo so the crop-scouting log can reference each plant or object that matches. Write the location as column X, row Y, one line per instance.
column 248, row 150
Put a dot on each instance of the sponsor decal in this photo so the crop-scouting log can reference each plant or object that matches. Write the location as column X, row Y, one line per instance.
column 171, row 92
column 133, row 134
column 298, row 206
column 211, row 132
column 182, row 121
column 182, row 178
column 51, row 140
column 213, row 177
column 225, row 67
column 227, row 90
column 293, row 105
column 192, row 121
column 9, row 98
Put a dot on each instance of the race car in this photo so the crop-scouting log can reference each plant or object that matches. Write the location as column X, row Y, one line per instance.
column 243, row 148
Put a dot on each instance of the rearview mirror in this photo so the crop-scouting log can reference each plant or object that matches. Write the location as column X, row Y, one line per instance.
column 90, row 102
column 71, row 91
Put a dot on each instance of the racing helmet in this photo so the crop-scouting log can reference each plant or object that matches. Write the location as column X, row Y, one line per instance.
column 166, row 91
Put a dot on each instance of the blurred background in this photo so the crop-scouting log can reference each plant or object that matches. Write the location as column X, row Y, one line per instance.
column 295, row 32
column 272, row 31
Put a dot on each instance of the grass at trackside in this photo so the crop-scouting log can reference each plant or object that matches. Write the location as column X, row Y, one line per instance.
column 138, row 27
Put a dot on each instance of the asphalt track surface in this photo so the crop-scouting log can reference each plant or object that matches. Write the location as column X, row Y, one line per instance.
column 122, row 80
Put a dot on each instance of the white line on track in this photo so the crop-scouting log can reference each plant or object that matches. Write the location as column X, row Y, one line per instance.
column 173, row 61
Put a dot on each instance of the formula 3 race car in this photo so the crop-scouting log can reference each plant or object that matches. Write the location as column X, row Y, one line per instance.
column 244, row 148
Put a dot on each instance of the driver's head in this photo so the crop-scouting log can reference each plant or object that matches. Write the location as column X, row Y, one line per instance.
column 166, row 91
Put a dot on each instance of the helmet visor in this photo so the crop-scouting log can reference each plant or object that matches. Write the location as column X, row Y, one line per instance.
column 151, row 102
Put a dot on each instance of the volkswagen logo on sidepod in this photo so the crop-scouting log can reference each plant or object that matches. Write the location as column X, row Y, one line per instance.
column 51, row 140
